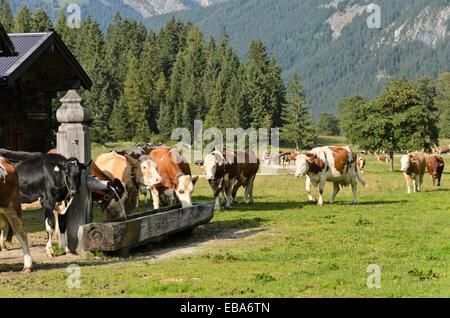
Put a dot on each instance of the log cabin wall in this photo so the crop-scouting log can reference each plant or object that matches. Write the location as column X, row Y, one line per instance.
column 26, row 116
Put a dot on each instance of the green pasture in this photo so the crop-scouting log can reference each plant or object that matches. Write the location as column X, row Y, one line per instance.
column 281, row 246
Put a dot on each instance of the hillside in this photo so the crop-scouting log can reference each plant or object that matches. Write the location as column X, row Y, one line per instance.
column 329, row 43
column 104, row 10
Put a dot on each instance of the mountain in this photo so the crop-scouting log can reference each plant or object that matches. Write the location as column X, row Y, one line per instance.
column 329, row 43
column 104, row 10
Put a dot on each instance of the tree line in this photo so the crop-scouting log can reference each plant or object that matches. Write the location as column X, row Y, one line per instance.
column 146, row 83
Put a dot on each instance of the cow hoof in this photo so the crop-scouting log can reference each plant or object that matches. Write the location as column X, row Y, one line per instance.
column 320, row 204
column 27, row 270
column 50, row 254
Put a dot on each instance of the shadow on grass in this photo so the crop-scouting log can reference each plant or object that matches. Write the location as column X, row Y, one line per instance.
column 220, row 230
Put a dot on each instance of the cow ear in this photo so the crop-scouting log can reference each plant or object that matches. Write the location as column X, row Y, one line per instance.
column 194, row 180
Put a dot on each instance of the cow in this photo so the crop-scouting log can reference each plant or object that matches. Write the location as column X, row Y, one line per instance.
column 413, row 166
column 329, row 164
column 435, row 167
column 177, row 182
column 247, row 169
column 52, row 180
column 10, row 210
column 134, row 174
column 110, row 193
column 360, row 164
column 384, row 159
column 112, row 198
column 221, row 174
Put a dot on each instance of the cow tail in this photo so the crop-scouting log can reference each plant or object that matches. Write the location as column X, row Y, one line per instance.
column 360, row 177
column 10, row 233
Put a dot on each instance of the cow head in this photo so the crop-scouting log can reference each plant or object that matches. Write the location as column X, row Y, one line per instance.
column 184, row 188
column 114, row 204
column 72, row 174
column 150, row 172
column 302, row 164
column 406, row 162
column 211, row 164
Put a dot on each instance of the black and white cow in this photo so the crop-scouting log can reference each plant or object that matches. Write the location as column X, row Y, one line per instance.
column 50, row 179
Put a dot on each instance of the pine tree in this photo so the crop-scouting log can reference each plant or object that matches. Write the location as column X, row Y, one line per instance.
column 296, row 116
column 442, row 101
column 191, row 84
column 350, row 110
column 136, row 102
column 6, row 17
column 119, row 122
column 40, row 21
column 23, row 20
column 150, row 72
column 257, row 91
column 68, row 35
column 165, row 120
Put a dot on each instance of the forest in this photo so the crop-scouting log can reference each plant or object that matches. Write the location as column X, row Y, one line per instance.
column 147, row 83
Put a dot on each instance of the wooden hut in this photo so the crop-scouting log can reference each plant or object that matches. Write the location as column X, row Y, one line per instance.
column 34, row 67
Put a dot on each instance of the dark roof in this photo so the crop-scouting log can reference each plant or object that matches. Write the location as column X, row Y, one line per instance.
column 6, row 46
column 29, row 47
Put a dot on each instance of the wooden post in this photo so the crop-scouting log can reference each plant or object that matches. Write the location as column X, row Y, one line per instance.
column 74, row 141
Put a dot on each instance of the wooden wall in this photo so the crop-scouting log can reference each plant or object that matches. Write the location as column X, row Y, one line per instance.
column 25, row 120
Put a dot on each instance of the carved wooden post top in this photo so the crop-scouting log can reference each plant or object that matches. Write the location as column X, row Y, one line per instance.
column 72, row 110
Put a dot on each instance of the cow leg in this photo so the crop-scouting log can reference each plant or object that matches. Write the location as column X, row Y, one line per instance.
column 156, row 199
column 217, row 204
column 50, row 227
column 21, row 234
column 354, row 190
column 62, row 221
column 308, row 190
column 336, row 189
column 321, row 190
column 2, row 241
column 235, row 190
column 228, row 189
column 438, row 181
column 250, row 190
column 408, row 183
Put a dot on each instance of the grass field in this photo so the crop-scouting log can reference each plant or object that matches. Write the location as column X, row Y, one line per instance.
column 281, row 246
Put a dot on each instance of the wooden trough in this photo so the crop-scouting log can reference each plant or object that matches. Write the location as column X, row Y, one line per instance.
column 143, row 228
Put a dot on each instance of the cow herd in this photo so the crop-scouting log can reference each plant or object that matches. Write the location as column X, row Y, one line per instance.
column 116, row 179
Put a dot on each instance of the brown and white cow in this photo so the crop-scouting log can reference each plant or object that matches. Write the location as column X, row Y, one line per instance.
column 177, row 182
column 247, row 169
column 435, row 167
column 384, row 158
column 134, row 174
column 10, row 209
column 329, row 164
column 413, row 166
column 360, row 164
column 221, row 172
column 112, row 197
